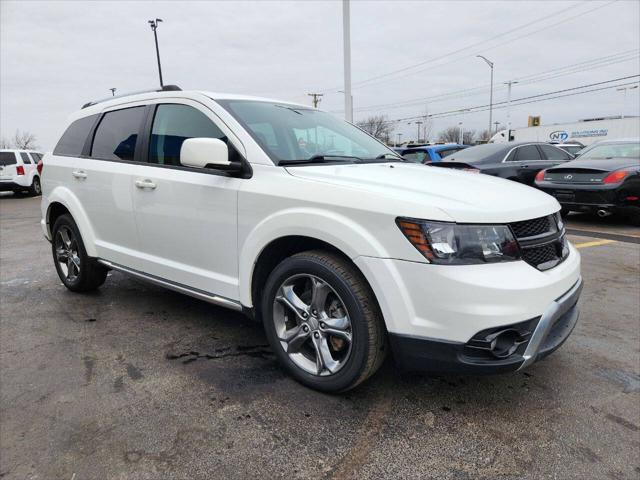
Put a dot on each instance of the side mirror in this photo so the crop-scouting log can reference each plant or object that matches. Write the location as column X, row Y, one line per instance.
column 207, row 153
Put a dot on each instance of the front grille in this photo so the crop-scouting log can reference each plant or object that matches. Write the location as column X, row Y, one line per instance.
column 541, row 243
column 531, row 228
column 538, row 255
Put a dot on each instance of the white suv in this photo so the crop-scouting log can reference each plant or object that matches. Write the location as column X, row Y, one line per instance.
column 19, row 171
column 303, row 221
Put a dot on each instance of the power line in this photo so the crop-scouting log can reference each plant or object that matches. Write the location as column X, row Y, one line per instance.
column 480, row 108
column 525, row 80
column 383, row 77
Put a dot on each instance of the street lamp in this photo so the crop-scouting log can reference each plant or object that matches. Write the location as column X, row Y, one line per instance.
column 461, row 137
column 154, row 27
column 113, row 91
column 398, row 140
column 490, row 63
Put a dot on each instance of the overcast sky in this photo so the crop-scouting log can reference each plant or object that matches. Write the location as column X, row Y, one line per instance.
column 55, row 56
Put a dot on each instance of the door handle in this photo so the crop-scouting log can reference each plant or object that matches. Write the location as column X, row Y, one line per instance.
column 145, row 184
column 79, row 174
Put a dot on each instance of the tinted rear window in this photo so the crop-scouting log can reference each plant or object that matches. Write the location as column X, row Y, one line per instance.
column 7, row 158
column 72, row 141
column 490, row 152
column 117, row 134
column 25, row 158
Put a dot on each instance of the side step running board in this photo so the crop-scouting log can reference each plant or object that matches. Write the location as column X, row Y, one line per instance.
column 193, row 292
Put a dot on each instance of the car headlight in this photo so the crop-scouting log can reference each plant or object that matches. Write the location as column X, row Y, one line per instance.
column 459, row 244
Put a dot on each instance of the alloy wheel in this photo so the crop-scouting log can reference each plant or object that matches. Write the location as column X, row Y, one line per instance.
column 312, row 324
column 67, row 253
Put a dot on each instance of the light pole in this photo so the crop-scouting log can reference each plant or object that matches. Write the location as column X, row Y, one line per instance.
column 154, row 27
column 490, row 63
column 113, row 91
column 496, row 123
column 624, row 101
column 346, row 39
column 398, row 140
column 461, row 137
column 509, row 83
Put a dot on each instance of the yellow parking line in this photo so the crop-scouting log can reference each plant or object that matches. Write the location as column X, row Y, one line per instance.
column 596, row 243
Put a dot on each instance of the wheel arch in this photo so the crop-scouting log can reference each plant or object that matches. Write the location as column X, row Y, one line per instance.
column 298, row 230
column 62, row 201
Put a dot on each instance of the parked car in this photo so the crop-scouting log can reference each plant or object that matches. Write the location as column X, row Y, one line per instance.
column 19, row 171
column 570, row 147
column 514, row 161
column 605, row 179
column 430, row 153
column 341, row 248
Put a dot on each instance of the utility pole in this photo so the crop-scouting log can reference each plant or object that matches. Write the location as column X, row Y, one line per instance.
column 624, row 101
column 113, row 91
column 509, row 83
column 461, row 137
column 316, row 98
column 490, row 63
column 346, row 38
column 418, row 123
column 154, row 27
column 398, row 135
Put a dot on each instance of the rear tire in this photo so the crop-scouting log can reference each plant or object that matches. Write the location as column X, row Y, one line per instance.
column 333, row 318
column 78, row 271
column 35, row 189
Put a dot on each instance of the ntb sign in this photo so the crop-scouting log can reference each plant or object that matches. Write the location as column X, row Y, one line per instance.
column 558, row 136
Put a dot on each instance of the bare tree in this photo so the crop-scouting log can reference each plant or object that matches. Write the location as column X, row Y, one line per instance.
column 484, row 136
column 25, row 141
column 378, row 126
column 452, row 135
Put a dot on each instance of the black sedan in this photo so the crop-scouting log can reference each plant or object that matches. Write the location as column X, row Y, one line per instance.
column 514, row 161
column 605, row 179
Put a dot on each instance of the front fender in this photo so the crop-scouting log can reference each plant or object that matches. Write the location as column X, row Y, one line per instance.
column 337, row 230
column 63, row 195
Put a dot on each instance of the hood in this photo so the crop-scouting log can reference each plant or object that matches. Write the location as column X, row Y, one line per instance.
column 602, row 164
column 465, row 197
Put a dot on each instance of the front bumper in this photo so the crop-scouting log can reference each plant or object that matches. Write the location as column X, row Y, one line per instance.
column 549, row 333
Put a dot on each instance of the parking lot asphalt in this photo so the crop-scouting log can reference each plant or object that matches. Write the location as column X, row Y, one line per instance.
column 138, row 382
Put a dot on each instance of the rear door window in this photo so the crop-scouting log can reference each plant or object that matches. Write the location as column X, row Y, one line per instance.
column 416, row 156
column 117, row 135
column 527, row 153
column 73, row 139
column 554, row 153
column 25, row 158
column 7, row 158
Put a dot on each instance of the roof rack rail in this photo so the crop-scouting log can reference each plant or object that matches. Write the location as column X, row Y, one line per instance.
column 165, row 88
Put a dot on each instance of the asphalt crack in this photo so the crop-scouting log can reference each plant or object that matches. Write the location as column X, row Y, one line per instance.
column 256, row 351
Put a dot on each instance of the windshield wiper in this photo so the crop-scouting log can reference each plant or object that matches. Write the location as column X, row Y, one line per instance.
column 320, row 159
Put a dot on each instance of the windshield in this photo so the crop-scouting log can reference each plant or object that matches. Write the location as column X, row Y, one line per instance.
column 613, row 150
column 487, row 153
column 294, row 134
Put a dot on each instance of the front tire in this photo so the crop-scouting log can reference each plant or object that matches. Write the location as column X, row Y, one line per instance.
column 78, row 271
column 323, row 322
